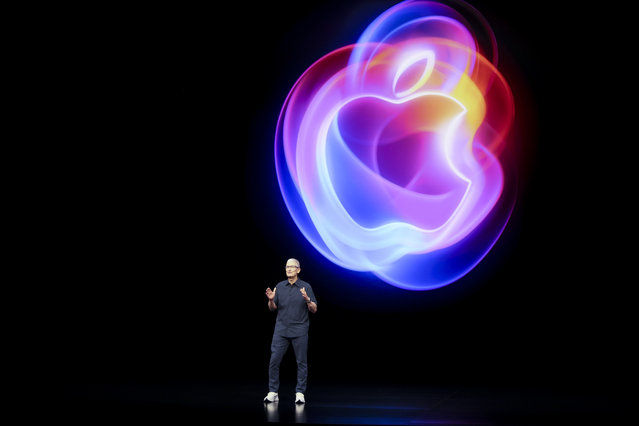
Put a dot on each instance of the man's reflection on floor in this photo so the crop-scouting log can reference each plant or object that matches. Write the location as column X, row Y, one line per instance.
column 272, row 412
column 300, row 414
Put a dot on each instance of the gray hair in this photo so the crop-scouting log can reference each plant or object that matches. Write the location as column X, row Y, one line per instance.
column 297, row 261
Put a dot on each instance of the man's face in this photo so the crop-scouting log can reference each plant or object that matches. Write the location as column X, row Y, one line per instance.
column 292, row 269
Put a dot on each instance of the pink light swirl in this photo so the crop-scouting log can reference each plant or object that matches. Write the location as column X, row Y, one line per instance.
column 388, row 151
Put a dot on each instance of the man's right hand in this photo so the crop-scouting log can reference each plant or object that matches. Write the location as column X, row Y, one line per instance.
column 270, row 293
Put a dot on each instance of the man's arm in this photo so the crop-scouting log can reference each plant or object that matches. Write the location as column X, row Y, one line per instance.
column 271, row 305
column 312, row 306
column 270, row 294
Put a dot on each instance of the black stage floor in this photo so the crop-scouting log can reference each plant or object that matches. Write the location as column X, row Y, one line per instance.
column 341, row 404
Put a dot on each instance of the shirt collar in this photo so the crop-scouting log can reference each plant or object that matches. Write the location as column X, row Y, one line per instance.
column 296, row 283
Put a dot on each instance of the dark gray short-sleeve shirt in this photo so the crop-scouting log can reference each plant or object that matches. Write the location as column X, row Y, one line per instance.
column 292, row 311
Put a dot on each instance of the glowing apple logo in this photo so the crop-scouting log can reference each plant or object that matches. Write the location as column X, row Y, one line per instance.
column 388, row 151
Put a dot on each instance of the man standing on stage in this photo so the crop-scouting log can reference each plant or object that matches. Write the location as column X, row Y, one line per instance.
column 293, row 299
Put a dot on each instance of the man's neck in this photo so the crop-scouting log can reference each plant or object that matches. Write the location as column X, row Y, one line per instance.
column 292, row 281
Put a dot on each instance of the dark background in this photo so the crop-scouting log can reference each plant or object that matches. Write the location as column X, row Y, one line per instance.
column 167, row 224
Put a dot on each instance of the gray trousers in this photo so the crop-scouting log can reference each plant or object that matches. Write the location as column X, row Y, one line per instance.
column 279, row 346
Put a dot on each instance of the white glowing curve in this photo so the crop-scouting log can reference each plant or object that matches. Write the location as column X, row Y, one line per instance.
column 366, row 37
column 412, row 59
column 346, row 238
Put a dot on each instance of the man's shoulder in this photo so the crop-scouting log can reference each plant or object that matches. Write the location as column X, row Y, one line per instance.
column 281, row 283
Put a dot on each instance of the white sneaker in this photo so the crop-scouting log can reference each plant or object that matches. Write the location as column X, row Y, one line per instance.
column 272, row 397
column 299, row 398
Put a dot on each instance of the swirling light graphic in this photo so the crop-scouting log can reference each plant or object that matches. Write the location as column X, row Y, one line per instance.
column 388, row 151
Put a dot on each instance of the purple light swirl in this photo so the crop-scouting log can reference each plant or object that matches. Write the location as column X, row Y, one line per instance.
column 388, row 151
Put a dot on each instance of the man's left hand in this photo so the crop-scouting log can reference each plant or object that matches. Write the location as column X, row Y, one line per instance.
column 303, row 291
